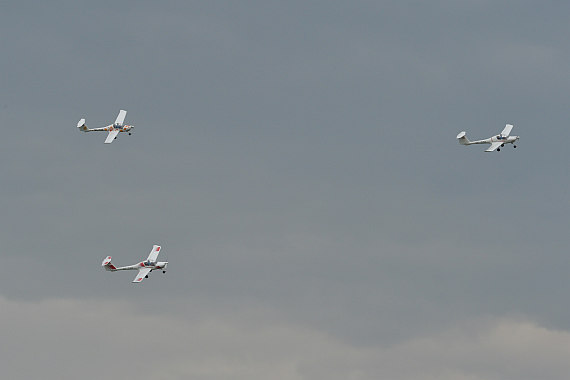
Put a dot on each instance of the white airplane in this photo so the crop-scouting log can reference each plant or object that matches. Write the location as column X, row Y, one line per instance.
column 497, row 142
column 144, row 267
column 113, row 129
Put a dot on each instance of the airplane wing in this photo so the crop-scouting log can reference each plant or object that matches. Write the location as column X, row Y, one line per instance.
column 154, row 253
column 111, row 136
column 141, row 275
column 121, row 117
column 507, row 130
column 494, row 146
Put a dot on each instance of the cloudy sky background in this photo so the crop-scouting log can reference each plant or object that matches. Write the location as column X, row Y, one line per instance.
column 297, row 161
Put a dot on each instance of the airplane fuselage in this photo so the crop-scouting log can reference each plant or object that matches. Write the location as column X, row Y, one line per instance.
column 120, row 128
column 498, row 138
column 144, row 264
column 504, row 140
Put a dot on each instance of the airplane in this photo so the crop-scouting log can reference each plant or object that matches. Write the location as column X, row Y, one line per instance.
column 144, row 267
column 113, row 129
column 497, row 142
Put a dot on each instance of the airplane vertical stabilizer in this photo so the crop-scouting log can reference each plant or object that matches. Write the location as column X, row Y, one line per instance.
column 107, row 264
column 463, row 140
column 81, row 125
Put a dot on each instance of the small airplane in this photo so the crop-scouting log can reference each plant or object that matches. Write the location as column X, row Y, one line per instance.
column 144, row 267
column 113, row 129
column 497, row 142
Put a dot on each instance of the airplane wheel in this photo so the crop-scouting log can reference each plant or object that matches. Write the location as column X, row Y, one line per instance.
column 146, row 276
column 502, row 145
column 163, row 271
column 129, row 134
column 514, row 146
column 498, row 149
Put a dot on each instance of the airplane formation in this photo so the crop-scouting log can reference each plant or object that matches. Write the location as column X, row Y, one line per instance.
column 151, row 263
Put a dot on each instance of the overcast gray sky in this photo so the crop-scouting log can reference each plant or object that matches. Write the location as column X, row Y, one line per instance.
column 297, row 161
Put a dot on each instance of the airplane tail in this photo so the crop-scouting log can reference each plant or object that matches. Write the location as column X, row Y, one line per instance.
column 81, row 125
column 107, row 264
column 463, row 140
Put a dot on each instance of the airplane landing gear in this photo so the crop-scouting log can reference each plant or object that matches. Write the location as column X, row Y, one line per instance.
column 146, row 276
column 498, row 149
column 163, row 271
column 514, row 146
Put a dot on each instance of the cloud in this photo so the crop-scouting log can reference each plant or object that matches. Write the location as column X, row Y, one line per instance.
column 98, row 339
